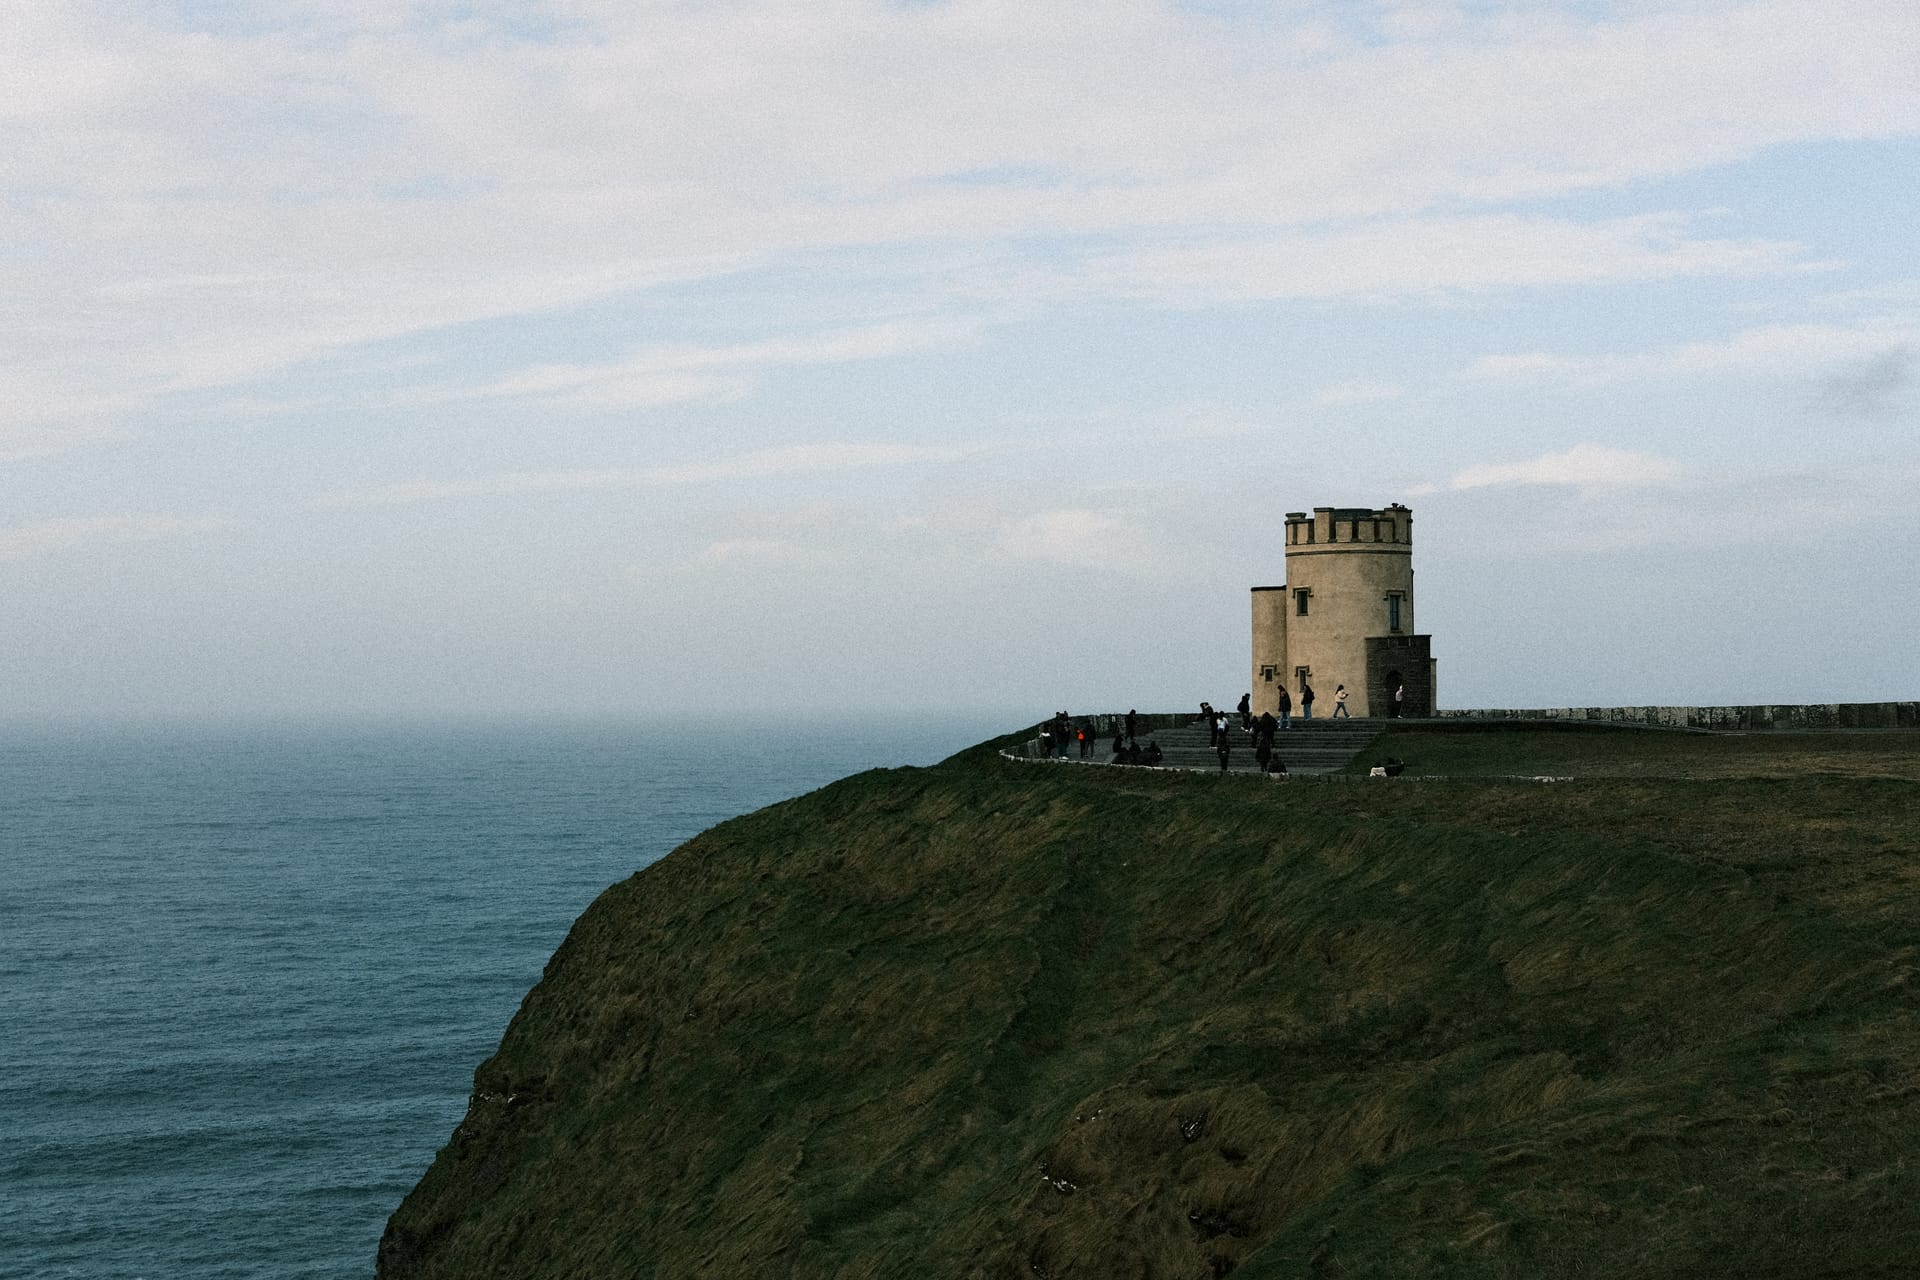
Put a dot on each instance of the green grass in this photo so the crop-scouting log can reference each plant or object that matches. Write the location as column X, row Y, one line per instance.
column 992, row 1019
column 1609, row 751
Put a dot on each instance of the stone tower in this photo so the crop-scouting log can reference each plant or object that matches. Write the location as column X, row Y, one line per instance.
column 1344, row 616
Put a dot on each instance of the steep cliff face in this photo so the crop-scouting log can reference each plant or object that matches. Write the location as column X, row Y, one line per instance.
column 1020, row 1021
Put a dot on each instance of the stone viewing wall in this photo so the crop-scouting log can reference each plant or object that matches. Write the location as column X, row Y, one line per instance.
column 1805, row 716
column 1144, row 726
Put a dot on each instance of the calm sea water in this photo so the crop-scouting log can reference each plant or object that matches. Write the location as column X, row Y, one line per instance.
column 245, row 975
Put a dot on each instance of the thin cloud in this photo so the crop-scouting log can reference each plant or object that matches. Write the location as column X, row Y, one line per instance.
column 1082, row 538
column 755, row 552
column 1766, row 351
column 802, row 459
column 671, row 374
column 1436, row 256
column 46, row 537
column 1584, row 466
column 1358, row 392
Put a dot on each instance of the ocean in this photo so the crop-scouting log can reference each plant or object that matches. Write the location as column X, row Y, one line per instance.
column 246, row 973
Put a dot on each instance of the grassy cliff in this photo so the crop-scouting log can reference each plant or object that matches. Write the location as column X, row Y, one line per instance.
column 1007, row 1020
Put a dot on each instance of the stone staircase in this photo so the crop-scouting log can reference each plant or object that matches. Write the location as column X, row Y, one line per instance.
column 1310, row 746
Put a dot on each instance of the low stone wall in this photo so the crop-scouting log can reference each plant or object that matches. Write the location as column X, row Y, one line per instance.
column 1105, row 724
column 1802, row 716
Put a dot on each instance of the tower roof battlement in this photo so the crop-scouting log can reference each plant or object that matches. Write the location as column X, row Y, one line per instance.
column 1391, row 525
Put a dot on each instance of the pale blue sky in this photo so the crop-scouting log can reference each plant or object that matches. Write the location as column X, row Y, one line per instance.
column 624, row 358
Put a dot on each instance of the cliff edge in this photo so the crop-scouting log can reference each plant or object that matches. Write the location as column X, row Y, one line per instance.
column 1029, row 1020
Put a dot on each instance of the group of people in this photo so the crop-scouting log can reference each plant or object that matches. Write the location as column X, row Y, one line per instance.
column 1217, row 721
column 1062, row 734
column 1261, row 729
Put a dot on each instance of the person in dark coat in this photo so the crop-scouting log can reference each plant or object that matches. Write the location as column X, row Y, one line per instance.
column 1306, row 701
column 1246, row 711
column 1131, row 717
column 1286, row 708
column 1223, row 747
column 1263, row 731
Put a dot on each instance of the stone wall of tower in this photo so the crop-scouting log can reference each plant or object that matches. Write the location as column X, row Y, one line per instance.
column 1349, row 578
column 1403, row 662
column 1269, row 647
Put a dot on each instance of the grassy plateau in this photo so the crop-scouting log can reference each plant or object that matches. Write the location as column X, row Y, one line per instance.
column 1659, row 1017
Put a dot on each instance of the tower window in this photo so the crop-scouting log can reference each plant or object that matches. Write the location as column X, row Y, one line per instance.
column 1300, row 602
column 1393, row 611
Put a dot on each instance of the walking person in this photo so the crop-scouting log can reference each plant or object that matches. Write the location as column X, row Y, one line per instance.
column 1246, row 711
column 1340, row 702
column 1306, row 701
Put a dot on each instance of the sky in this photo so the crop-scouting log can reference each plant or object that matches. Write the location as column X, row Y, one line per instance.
column 733, row 358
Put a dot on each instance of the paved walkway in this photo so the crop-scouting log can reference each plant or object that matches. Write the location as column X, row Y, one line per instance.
column 1310, row 746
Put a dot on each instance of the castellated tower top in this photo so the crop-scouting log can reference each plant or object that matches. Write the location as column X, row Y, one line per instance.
column 1334, row 526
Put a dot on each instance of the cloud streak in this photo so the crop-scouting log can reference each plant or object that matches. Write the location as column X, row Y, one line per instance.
column 663, row 375
column 47, row 537
column 761, row 464
column 1433, row 256
column 1584, row 466
column 1771, row 351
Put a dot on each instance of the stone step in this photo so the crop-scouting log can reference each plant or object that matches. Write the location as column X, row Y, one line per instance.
column 1310, row 746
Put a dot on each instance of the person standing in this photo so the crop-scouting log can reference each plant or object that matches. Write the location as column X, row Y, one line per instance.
column 1132, row 719
column 1286, row 708
column 1399, row 695
column 1223, row 746
column 1263, row 730
column 1306, row 701
column 1340, row 702
column 1246, row 711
